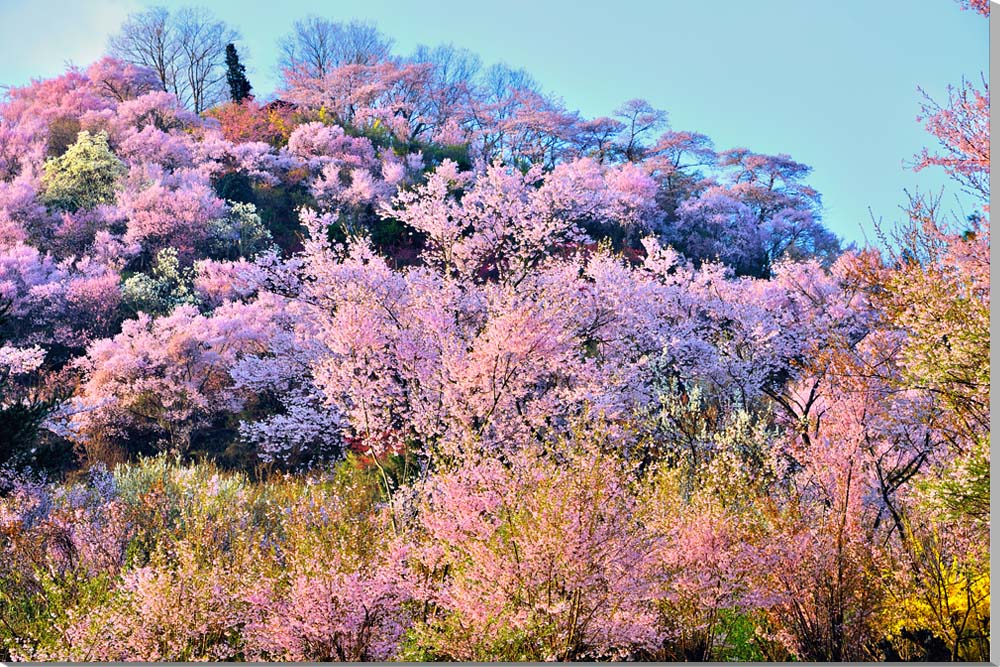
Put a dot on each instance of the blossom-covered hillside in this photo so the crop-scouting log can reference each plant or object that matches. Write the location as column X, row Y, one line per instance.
column 413, row 362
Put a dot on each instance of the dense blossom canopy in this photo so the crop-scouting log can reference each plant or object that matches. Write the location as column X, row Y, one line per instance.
column 415, row 362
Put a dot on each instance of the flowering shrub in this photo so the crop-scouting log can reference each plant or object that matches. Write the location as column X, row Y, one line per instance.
column 538, row 560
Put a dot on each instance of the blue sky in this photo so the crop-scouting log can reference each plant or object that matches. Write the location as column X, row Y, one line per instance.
column 833, row 84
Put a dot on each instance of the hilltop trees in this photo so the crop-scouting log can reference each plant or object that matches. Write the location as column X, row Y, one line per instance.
column 316, row 46
column 185, row 49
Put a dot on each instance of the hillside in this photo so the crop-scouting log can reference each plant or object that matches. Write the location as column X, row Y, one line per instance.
column 409, row 361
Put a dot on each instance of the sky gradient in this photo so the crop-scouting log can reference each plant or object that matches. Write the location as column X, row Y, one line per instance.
column 832, row 84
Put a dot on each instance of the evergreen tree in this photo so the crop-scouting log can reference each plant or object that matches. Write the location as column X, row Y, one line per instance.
column 239, row 85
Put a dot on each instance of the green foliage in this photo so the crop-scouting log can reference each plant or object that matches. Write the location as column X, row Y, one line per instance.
column 739, row 641
column 505, row 644
column 168, row 286
column 191, row 542
column 21, row 442
column 86, row 175
column 435, row 154
column 963, row 489
column 278, row 208
column 239, row 234
column 389, row 233
column 20, row 419
column 34, row 614
column 235, row 186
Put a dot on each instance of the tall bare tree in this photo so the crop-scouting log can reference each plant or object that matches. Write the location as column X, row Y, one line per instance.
column 203, row 41
column 146, row 38
column 186, row 49
column 453, row 79
column 318, row 45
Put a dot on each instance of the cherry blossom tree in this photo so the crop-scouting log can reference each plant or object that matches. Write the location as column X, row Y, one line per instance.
column 638, row 118
column 159, row 381
column 528, row 562
column 173, row 210
column 962, row 128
